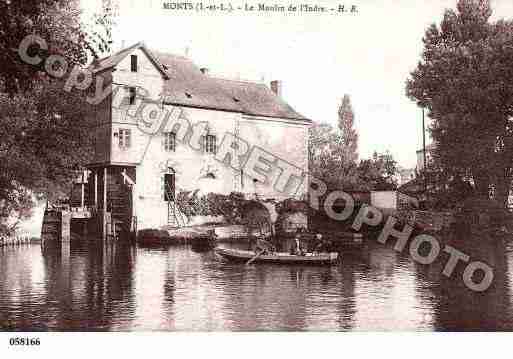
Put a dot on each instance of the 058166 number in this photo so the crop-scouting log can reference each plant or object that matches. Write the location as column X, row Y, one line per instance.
column 18, row 341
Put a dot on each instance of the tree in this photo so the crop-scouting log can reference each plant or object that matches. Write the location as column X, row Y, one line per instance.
column 378, row 172
column 58, row 23
column 328, row 159
column 349, row 136
column 333, row 154
column 333, row 151
column 44, row 131
column 44, row 138
column 464, row 79
column 99, row 35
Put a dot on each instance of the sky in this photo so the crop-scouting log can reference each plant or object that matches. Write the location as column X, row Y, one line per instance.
column 318, row 57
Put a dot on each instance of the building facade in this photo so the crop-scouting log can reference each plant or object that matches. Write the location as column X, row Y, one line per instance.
column 161, row 129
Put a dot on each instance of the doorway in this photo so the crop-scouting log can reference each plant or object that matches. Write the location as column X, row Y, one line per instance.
column 169, row 186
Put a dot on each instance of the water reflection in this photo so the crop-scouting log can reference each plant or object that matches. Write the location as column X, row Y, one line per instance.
column 104, row 286
column 455, row 307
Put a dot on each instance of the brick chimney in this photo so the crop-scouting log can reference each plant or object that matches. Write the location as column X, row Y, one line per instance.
column 276, row 87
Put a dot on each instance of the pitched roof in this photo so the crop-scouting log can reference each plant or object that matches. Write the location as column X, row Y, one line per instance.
column 186, row 85
column 114, row 59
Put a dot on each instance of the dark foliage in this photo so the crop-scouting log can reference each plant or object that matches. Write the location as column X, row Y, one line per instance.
column 465, row 81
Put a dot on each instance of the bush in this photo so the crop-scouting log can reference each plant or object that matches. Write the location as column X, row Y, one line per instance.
column 213, row 204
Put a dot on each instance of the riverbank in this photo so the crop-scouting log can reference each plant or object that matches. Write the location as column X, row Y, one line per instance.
column 18, row 241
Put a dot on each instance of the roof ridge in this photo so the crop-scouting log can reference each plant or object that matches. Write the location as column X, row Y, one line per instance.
column 213, row 76
column 160, row 52
column 244, row 81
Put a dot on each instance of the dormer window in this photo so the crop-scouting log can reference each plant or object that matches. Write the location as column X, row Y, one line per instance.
column 133, row 63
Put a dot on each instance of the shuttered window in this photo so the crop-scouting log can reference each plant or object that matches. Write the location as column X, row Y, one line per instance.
column 169, row 141
column 210, row 144
column 133, row 63
column 124, row 138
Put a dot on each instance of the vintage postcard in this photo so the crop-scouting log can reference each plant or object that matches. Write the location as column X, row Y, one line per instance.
column 246, row 166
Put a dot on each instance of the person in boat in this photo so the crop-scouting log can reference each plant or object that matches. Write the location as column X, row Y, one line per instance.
column 277, row 243
column 212, row 236
column 297, row 248
column 316, row 243
column 264, row 246
column 321, row 244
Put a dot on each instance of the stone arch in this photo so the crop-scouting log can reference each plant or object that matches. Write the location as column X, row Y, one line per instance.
column 293, row 216
column 258, row 217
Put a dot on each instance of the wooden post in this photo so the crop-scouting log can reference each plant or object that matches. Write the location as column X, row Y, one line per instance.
column 82, row 195
column 96, row 188
column 105, row 203
column 425, row 154
column 65, row 226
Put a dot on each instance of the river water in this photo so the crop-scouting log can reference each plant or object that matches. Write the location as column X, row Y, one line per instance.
column 116, row 287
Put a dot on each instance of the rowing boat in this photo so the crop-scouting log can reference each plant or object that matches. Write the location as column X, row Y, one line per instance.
column 277, row 257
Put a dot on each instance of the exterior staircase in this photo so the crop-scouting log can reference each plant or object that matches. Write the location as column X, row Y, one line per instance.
column 120, row 206
column 175, row 218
